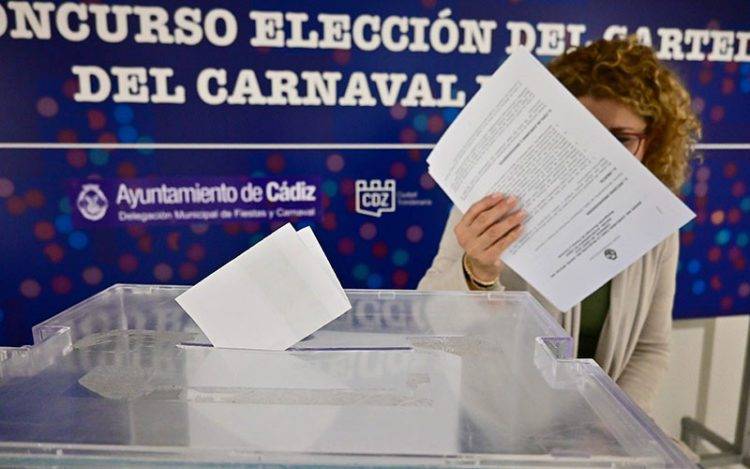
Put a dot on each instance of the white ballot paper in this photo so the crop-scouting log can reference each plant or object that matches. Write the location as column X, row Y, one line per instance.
column 593, row 208
column 269, row 297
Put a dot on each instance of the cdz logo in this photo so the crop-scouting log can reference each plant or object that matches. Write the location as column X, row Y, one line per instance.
column 374, row 197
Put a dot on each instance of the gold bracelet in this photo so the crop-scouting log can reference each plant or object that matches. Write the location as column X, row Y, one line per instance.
column 479, row 283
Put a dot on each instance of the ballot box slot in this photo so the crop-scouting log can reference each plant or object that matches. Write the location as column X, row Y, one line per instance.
column 307, row 349
column 347, row 349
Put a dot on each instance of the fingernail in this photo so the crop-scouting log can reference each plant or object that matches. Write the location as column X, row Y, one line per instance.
column 522, row 214
column 497, row 195
column 512, row 199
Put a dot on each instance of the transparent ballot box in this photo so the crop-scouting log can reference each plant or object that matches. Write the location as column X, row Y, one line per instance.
column 403, row 379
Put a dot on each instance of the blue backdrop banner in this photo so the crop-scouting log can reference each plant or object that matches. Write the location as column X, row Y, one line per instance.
column 154, row 142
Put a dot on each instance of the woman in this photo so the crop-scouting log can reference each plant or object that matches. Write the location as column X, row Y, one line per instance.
column 625, row 325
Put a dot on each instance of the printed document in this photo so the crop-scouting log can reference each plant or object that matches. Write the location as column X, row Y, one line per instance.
column 271, row 296
column 593, row 208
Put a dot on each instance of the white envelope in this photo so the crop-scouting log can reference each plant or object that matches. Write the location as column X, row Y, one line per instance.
column 269, row 297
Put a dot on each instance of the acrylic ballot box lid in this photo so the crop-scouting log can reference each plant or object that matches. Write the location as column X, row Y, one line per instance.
column 403, row 379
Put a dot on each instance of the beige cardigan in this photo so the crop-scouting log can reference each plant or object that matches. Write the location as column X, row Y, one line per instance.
column 634, row 344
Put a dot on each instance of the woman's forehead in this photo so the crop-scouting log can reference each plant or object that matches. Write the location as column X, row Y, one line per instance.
column 613, row 114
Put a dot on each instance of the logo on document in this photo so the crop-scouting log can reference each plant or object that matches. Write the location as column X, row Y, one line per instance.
column 374, row 197
column 91, row 202
column 610, row 254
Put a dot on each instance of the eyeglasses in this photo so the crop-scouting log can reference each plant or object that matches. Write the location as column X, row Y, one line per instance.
column 630, row 140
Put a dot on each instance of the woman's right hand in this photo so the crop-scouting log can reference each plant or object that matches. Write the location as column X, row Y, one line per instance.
column 485, row 232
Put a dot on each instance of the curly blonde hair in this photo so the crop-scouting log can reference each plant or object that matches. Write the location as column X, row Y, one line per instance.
column 630, row 73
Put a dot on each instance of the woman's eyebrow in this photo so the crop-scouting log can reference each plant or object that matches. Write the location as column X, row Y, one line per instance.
column 624, row 129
